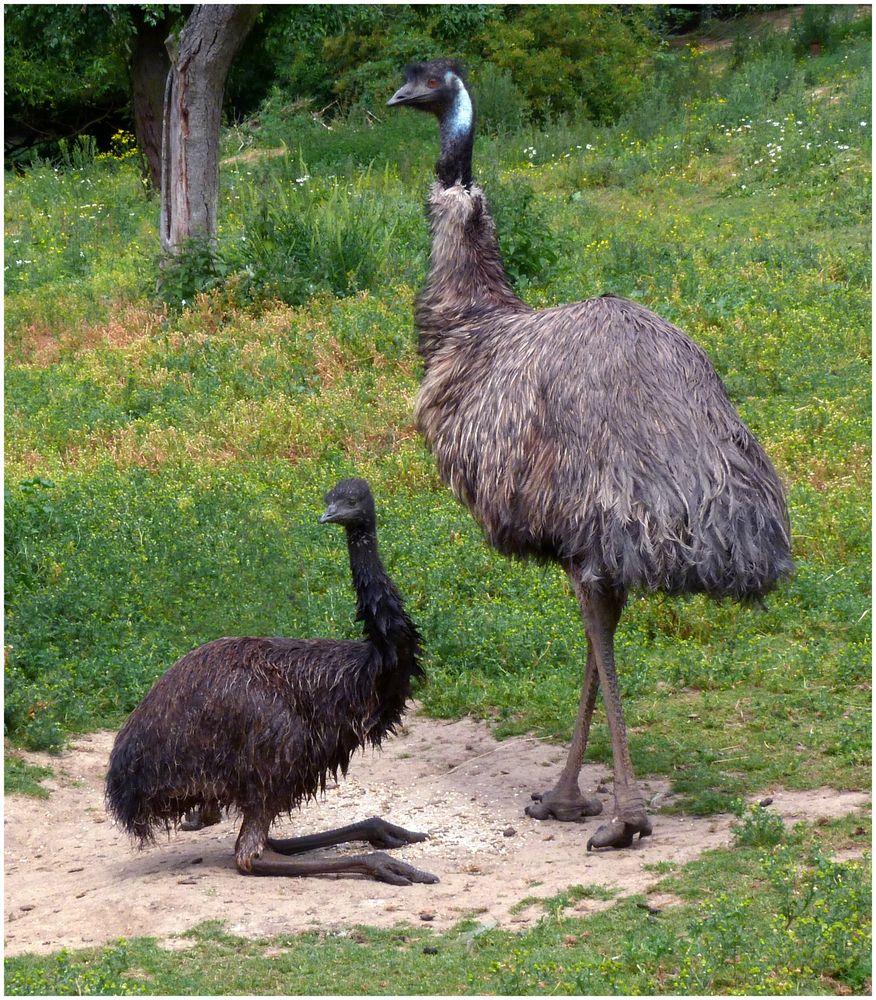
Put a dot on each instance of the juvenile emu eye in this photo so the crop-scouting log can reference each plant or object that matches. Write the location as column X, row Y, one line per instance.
column 432, row 83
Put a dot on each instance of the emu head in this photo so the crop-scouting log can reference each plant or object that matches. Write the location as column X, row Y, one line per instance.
column 434, row 86
column 440, row 87
column 351, row 504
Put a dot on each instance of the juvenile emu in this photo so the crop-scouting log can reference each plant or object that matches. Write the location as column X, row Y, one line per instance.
column 595, row 434
column 258, row 723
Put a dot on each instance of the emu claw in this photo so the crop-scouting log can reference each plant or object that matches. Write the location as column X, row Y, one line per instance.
column 198, row 818
column 384, row 868
column 619, row 833
column 566, row 809
column 388, row 835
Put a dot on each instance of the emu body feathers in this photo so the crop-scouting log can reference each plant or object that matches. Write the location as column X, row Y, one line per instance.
column 595, row 432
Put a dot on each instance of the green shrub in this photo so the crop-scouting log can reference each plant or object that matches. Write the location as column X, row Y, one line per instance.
column 501, row 107
column 817, row 29
column 301, row 237
column 529, row 245
column 568, row 59
column 758, row 827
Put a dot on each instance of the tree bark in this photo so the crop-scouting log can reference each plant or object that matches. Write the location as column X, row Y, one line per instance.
column 200, row 62
column 150, row 65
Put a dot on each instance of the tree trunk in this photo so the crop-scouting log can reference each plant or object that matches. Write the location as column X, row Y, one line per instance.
column 200, row 62
column 150, row 65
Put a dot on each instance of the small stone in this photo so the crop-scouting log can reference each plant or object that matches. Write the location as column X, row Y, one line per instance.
column 196, row 861
column 509, row 831
column 425, row 915
column 26, row 907
column 768, row 801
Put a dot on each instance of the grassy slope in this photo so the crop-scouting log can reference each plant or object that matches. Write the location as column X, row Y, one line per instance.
column 164, row 474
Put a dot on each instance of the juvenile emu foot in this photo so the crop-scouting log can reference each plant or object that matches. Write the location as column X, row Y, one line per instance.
column 379, row 833
column 378, row 866
column 374, row 831
column 562, row 805
column 197, row 819
column 620, row 832
column 384, row 868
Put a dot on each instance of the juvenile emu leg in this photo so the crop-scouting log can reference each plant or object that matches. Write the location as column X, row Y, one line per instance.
column 375, row 831
column 253, row 838
column 601, row 612
column 564, row 801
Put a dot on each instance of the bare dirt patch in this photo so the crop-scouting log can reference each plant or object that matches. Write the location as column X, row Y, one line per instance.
column 73, row 880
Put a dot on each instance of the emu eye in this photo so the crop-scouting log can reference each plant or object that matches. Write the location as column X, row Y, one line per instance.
column 431, row 83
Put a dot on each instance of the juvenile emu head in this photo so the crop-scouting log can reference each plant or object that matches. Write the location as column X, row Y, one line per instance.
column 350, row 504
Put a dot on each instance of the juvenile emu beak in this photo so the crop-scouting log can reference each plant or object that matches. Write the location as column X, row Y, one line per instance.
column 329, row 515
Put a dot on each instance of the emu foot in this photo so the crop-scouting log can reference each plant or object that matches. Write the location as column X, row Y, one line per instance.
column 384, row 868
column 562, row 805
column 379, row 833
column 197, row 819
column 620, row 831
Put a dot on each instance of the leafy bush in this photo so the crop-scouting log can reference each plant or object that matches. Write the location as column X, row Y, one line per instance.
column 301, row 237
column 758, row 827
column 529, row 245
column 567, row 59
column 194, row 268
column 501, row 107
column 818, row 29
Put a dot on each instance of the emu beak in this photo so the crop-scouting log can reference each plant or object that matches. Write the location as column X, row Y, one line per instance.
column 403, row 95
column 330, row 514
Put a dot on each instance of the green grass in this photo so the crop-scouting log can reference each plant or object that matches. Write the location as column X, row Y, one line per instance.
column 23, row 778
column 790, row 925
column 165, row 465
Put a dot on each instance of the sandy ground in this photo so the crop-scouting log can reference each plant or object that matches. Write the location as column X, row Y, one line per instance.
column 73, row 879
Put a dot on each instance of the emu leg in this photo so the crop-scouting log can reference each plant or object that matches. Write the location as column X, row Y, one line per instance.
column 564, row 801
column 253, row 838
column 601, row 612
column 375, row 831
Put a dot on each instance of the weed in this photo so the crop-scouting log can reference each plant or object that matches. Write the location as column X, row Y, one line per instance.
column 22, row 778
column 758, row 827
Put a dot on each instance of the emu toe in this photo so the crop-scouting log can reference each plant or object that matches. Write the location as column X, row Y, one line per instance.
column 384, row 868
column 388, row 835
column 620, row 833
column 567, row 808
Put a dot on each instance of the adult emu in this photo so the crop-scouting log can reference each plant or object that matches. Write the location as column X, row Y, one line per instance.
column 258, row 723
column 595, row 434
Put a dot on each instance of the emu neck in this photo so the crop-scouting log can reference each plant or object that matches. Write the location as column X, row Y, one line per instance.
column 457, row 142
column 466, row 276
column 378, row 604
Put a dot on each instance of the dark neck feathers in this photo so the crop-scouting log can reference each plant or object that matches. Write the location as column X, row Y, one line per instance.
column 379, row 606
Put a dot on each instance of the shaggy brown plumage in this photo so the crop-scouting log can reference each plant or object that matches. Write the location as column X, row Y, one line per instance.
column 257, row 724
column 594, row 434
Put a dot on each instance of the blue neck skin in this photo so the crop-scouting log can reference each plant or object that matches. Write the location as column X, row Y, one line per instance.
column 457, row 140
